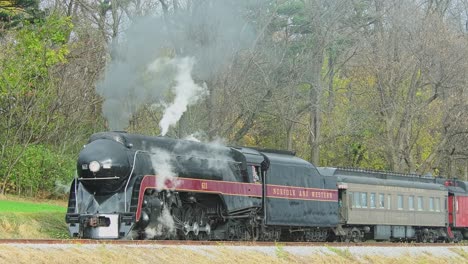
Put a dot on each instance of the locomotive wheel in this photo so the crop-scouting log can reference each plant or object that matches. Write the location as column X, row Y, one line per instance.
column 424, row 238
column 178, row 216
column 196, row 229
column 458, row 237
column 355, row 236
column 236, row 232
column 255, row 233
column 298, row 236
column 193, row 222
column 190, row 236
column 203, row 236
column 188, row 220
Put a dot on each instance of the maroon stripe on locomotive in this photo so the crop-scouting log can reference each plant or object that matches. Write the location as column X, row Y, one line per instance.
column 234, row 188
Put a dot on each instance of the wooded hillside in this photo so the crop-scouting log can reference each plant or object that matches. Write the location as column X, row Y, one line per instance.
column 363, row 83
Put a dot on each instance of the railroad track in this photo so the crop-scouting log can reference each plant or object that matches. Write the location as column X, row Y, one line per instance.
column 219, row 243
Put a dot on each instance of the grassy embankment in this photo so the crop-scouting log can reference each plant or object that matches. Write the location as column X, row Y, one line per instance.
column 21, row 218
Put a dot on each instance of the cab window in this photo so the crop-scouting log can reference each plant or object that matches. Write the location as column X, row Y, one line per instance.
column 254, row 172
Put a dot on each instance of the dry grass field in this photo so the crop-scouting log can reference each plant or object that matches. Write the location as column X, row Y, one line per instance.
column 222, row 255
column 52, row 202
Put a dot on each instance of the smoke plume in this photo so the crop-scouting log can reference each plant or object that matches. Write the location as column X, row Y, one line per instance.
column 163, row 59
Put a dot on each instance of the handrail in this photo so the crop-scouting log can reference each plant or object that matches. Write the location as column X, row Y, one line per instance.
column 383, row 172
column 76, row 192
column 102, row 178
column 129, row 178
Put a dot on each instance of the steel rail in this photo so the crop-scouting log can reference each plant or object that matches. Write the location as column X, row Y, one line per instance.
column 221, row 243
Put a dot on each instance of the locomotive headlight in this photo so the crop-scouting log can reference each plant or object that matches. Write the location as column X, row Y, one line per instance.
column 94, row 166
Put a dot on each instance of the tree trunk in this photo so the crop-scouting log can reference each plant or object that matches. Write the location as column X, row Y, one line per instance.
column 289, row 133
column 315, row 110
column 331, row 76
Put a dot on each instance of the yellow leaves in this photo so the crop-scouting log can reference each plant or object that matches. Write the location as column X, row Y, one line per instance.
column 7, row 4
column 428, row 126
column 249, row 140
column 10, row 6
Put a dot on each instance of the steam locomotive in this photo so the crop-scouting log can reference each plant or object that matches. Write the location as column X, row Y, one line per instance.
column 131, row 186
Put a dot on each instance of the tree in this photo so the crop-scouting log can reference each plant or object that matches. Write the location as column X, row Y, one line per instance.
column 412, row 62
column 14, row 12
column 28, row 103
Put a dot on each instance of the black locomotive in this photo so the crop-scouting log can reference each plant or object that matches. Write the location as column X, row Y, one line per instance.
column 140, row 187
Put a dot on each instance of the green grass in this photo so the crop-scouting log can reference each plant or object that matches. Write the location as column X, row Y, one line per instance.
column 29, row 219
column 28, row 207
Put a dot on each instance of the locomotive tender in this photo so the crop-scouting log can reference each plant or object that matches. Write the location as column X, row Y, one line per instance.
column 140, row 187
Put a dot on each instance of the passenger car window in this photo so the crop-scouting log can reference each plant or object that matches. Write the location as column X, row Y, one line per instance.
column 437, row 204
column 381, row 200
column 357, row 200
column 411, row 202
column 364, row 200
column 400, row 202
column 420, row 203
column 372, row 200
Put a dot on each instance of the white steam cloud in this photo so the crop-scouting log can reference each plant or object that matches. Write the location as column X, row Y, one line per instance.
column 164, row 226
column 186, row 91
column 193, row 137
column 162, row 162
